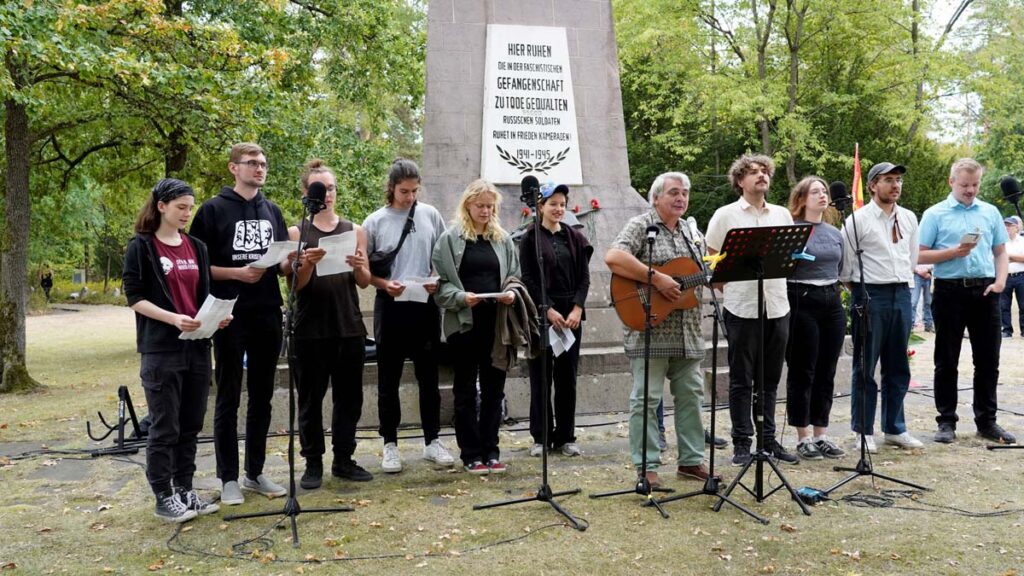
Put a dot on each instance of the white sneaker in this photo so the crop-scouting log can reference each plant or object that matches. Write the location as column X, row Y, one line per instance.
column 435, row 452
column 536, row 450
column 869, row 441
column 903, row 440
column 571, row 449
column 392, row 461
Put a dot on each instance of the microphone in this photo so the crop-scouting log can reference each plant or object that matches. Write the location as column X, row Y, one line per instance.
column 652, row 232
column 315, row 198
column 691, row 222
column 841, row 199
column 531, row 191
column 1011, row 189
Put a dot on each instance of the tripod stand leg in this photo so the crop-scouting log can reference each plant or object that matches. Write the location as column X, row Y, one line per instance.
column 789, row 488
column 732, row 485
column 723, row 498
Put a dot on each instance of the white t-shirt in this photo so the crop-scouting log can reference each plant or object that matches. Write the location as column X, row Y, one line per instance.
column 1015, row 247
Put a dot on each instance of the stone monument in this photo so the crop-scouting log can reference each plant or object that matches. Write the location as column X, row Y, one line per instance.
column 517, row 87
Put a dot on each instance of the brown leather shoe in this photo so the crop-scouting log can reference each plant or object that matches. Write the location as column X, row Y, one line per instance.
column 698, row 472
column 653, row 479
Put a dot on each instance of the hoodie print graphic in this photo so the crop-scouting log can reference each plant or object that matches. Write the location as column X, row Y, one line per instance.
column 251, row 236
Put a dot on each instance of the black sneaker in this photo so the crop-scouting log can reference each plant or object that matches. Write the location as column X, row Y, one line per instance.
column 349, row 470
column 194, row 501
column 776, row 450
column 171, row 509
column 808, row 450
column 740, row 454
column 996, row 433
column 829, row 449
column 313, row 476
column 945, row 434
column 719, row 442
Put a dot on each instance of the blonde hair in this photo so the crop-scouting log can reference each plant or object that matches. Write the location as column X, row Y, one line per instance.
column 477, row 188
column 242, row 149
column 314, row 166
column 965, row 165
column 798, row 200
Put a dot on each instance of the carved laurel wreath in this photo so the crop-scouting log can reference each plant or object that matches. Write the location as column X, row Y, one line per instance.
column 523, row 166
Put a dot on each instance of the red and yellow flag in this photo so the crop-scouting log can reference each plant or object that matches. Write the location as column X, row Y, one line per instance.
column 858, row 184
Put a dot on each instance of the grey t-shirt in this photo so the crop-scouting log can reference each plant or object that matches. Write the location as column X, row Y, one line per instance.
column 384, row 229
column 826, row 245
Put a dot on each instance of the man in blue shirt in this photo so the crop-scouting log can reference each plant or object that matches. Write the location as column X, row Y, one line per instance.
column 965, row 239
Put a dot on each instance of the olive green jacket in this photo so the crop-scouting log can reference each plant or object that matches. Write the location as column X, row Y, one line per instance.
column 451, row 296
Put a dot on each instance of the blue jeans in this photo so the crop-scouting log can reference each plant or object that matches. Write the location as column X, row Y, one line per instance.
column 922, row 287
column 891, row 319
column 1014, row 286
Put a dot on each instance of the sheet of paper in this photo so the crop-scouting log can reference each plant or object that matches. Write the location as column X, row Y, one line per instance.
column 415, row 289
column 970, row 238
column 492, row 295
column 337, row 248
column 561, row 340
column 276, row 253
column 210, row 315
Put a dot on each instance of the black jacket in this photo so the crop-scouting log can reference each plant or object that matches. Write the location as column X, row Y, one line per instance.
column 238, row 232
column 143, row 279
column 579, row 248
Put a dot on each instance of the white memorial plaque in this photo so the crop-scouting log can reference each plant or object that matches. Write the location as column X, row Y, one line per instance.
column 529, row 118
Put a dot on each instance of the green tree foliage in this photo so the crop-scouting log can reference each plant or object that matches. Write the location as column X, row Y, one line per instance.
column 706, row 80
column 101, row 99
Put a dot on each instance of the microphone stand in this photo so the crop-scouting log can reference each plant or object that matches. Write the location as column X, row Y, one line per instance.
column 291, row 510
column 544, row 492
column 643, row 485
column 712, row 485
column 863, row 467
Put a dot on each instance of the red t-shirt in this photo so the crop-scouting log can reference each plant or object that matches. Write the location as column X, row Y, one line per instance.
column 181, row 273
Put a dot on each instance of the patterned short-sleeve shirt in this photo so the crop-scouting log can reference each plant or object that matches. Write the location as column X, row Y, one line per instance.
column 679, row 335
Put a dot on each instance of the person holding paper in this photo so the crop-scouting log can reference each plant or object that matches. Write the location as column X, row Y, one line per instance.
column 238, row 225
column 567, row 277
column 166, row 277
column 964, row 237
column 473, row 257
column 406, row 230
column 329, row 337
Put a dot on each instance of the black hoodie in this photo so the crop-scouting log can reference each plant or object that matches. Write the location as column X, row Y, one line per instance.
column 237, row 233
column 143, row 279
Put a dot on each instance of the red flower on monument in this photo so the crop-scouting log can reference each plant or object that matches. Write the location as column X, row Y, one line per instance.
column 526, row 212
column 595, row 204
column 576, row 209
column 910, row 353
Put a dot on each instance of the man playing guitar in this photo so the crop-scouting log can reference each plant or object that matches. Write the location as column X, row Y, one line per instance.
column 677, row 346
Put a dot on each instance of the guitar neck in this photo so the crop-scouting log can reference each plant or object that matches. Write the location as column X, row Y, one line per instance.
column 690, row 281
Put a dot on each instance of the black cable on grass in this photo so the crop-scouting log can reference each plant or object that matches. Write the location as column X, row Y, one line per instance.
column 888, row 499
column 242, row 552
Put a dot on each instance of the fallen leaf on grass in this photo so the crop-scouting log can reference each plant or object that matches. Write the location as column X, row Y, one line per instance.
column 5, row 461
column 854, row 555
column 97, row 526
column 726, row 557
column 44, row 529
column 156, row 566
column 787, row 528
column 103, row 507
column 9, row 565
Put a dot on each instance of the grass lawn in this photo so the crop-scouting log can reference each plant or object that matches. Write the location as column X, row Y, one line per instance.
column 90, row 516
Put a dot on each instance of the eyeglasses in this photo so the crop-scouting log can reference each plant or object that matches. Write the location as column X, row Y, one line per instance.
column 254, row 164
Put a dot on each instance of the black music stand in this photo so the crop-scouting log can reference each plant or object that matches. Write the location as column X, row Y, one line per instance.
column 757, row 254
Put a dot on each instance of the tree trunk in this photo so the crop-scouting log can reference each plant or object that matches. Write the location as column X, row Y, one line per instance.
column 14, row 250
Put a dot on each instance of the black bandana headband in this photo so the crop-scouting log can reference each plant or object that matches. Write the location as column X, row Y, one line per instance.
column 170, row 188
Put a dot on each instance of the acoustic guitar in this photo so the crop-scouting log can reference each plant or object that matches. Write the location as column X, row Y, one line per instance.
column 628, row 295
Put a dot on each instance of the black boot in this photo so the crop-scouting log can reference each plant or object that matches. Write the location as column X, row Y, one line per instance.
column 313, row 475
